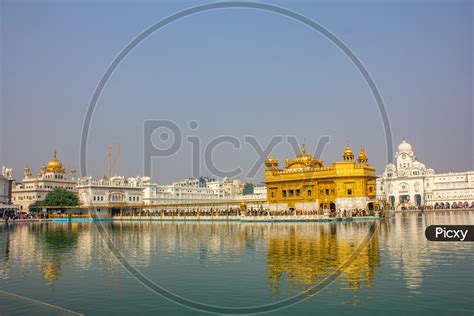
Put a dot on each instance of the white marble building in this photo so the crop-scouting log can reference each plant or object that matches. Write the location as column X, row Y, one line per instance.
column 187, row 190
column 410, row 184
column 5, row 185
column 260, row 190
column 118, row 192
column 111, row 191
column 192, row 190
column 52, row 175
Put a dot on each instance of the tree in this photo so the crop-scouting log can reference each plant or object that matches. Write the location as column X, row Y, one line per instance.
column 248, row 188
column 60, row 197
column 35, row 206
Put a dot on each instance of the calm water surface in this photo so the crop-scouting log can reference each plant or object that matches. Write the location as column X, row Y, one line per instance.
column 237, row 264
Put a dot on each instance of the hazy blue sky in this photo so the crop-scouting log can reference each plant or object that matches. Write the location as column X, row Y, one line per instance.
column 236, row 72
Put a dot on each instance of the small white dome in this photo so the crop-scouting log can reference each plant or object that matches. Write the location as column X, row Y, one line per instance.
column 404, row 147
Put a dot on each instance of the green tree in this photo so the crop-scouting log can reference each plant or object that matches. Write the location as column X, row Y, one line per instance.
column 248, row 188
column 60, row 197
column 35, row 206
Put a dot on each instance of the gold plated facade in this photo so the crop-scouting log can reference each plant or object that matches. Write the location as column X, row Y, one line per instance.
column 305, row 183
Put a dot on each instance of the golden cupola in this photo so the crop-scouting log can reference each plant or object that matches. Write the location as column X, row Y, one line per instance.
column 303, row 160
column 348, row 154
column 271, row 163
column 362, row 158
column 55, row 165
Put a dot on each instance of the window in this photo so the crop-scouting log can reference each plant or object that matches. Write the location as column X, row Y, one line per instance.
column 370, row 189
column 297, row 192
column 349, row 191
column 290, row 192
column 309, row 192
column 284, row 193
column 327, row 191
column 273, row 195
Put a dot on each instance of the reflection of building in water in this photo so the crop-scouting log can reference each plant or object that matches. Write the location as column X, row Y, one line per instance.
column 411, row 254
column 305, row 255
column 51, row 248
column 51, row 270
column 211, row 241
column 408, row 248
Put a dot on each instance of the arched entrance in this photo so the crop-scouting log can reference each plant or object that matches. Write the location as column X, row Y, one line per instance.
column 418, row 199
column 392, row 201
column 404, row 198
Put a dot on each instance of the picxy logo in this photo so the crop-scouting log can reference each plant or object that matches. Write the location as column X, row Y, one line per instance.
column 450, row 233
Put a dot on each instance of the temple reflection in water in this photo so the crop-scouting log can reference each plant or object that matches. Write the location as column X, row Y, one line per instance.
column 291, row 256
column 303, row 256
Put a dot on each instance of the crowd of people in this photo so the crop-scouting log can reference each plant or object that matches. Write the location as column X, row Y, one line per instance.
column 453, row 205
column 15, row 215
column 441, row 206
column 232, row 212
column 357, row 212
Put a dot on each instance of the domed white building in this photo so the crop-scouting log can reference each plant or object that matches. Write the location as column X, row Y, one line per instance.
column 410, row 184
column 52, row 175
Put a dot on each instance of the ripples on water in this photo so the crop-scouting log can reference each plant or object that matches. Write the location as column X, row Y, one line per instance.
column 239, row 264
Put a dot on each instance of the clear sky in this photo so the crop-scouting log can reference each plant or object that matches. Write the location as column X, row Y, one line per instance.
column 236, row 72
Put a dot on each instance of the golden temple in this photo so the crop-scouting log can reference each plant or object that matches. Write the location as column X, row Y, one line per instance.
column 306, row 184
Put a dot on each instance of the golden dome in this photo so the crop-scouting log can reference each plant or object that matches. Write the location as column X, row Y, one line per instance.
column 303, row 160
column 348, row 154
column 271, row 162
column 348, row 151
column 55, row 165
column 270, row 159
column 362, row 156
